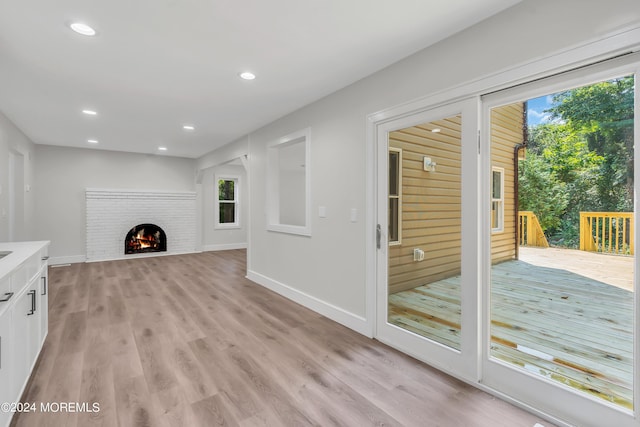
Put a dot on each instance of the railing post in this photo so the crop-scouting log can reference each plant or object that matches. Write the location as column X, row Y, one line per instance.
column 599, row 234
column 582, row 232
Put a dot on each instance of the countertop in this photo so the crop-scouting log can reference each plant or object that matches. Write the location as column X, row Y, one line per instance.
column 21, row 251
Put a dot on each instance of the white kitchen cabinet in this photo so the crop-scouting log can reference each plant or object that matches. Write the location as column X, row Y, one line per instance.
column 26, row 333
column 6, row 345
column 23, row 316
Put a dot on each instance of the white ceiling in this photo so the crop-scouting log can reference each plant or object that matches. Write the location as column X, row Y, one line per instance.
column 156, row 65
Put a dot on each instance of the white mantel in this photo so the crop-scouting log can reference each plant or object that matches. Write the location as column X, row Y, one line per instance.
column 112, row 213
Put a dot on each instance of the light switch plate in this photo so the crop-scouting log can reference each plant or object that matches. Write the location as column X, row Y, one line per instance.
column 322, row 211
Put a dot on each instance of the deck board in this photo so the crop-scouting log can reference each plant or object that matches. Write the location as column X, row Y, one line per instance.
column 579, row 326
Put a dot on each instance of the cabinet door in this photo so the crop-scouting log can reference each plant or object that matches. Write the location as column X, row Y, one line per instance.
column 44, row 304
column 35, row 288
column 6, row 378
column 26, row 334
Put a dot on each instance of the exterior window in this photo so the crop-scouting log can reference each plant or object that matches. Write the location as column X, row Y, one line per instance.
column 227, row 202
column 497, row 199
column 395, row 196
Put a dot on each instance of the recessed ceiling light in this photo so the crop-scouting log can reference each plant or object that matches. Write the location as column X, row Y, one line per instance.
column 247, row 75
column 162, row 148
column 188, row 127
column 90, row 112
column 92, row 141
column 83, row 29
column 436, row 130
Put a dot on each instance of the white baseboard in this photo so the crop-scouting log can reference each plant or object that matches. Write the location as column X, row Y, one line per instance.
column 226, row 247
column 337, row 314
column 71, row 259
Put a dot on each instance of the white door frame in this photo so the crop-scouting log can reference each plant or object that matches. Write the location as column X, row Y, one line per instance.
column 548, row 395
column 590, row 52
column 461, row 363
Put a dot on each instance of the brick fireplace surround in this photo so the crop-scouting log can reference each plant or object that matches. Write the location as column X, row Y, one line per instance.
column 112, row 213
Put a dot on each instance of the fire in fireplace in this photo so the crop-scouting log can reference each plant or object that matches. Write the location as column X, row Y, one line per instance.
column 145, row 238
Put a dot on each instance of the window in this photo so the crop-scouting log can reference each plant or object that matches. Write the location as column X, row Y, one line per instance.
column 227, row 189
column 288, row 185
column 497, row 199
column 395, row 195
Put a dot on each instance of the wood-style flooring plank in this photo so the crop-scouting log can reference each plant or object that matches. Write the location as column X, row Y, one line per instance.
column 188, row 341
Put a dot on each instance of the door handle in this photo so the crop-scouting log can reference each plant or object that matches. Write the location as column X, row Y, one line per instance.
column 33, row 303
column 378, row 235
column 44, row 285
column 7, row 297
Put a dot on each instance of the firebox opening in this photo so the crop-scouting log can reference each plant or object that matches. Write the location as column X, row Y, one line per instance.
column 144, row 238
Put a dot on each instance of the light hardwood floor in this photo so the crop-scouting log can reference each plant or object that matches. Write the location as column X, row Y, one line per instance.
column 188, row 341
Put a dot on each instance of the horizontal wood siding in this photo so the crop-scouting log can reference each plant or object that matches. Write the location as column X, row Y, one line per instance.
column 431, row 205
column 506, row 133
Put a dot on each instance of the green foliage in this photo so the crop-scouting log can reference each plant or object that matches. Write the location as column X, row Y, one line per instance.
column 225, row 189
column 602, row 115
column 540, row 191
column 582, row 160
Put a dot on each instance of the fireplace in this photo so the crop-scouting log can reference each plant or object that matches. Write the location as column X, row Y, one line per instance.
column 144, row 238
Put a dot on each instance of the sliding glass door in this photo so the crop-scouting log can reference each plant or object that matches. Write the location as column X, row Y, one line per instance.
column 427, row 164
column 506, row 241
column 560, row 296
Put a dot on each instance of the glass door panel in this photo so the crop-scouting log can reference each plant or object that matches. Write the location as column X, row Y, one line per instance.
column 425, row 220
column 562, row 239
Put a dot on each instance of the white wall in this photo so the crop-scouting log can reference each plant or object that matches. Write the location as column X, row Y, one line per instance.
column 292, row 197
column 63, row 174
column 221, row 239
column 14, row 142
column 327, row 271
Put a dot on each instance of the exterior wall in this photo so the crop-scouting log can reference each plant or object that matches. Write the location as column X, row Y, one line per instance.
column 431, row 205
column 506, row 133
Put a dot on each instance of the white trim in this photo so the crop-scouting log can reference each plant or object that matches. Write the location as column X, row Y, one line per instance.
column 71, row 259
column 273, row 189
column 590, row 52
column 371, row 206
column 501, row 375
column 337, row 314
column 224, row 247
column 462, row 361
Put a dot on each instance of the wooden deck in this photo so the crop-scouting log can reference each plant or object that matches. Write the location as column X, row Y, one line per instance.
column 566, row 315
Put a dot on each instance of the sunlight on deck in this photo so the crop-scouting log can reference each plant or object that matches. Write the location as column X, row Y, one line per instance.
column 564, row 314
column 615, row 270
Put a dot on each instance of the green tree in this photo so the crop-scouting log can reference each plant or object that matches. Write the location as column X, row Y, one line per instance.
column 559, row 179
column 540, row 191
column 602, row 115
column 582, row 160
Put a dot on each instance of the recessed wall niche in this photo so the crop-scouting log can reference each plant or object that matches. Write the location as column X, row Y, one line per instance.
column 288, row 184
